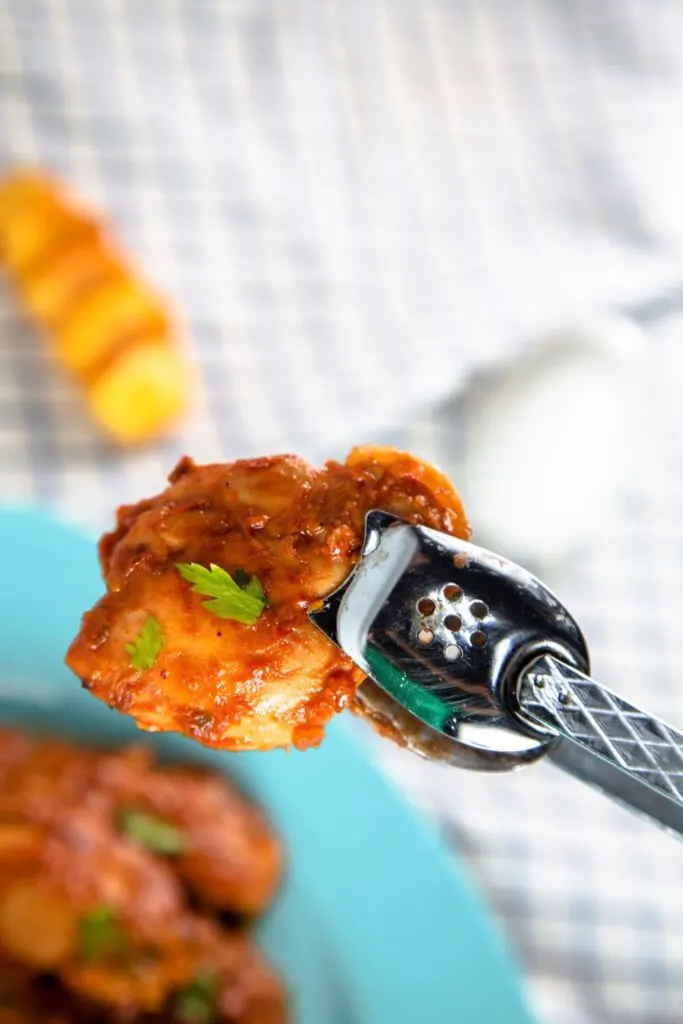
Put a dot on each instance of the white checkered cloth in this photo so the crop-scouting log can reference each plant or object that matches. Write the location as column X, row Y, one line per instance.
column 357, row 204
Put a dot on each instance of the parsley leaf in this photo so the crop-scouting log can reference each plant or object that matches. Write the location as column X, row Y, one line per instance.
column 148, row 830
column 255, row 588
column 228, row 600
column 196, row 1003
column 147, row 645
column 101, row 936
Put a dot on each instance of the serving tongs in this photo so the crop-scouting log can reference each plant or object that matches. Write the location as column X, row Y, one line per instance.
column 473, row 661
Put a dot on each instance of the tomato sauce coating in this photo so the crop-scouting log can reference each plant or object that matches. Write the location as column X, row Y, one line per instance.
column 299, row 531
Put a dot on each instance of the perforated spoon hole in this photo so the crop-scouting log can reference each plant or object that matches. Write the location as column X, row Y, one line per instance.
column 425, row 636
column 478, row 638
column 479, row 609
column 453, row 622
column 452, row 592
column 452, row 652
column 425, row 606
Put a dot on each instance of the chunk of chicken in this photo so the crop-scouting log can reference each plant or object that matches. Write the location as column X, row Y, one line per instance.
column 295, row 528
column 113, row 873
column 45, row 781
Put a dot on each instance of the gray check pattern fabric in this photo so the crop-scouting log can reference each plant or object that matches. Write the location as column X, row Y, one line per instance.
column 590, row 894
column 357, row 205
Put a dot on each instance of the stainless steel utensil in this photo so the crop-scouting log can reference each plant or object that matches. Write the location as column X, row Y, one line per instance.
column 474, row 662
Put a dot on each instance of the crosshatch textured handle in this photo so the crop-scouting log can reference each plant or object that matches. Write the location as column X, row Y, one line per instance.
column 605, row 741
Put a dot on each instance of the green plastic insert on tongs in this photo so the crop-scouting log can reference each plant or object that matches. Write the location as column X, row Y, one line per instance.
column 424, row 705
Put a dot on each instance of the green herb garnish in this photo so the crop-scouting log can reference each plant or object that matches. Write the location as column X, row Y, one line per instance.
column 101, row 937
column 228, row 599
column 196, row 1003
column 147, row 645
column 146, row 829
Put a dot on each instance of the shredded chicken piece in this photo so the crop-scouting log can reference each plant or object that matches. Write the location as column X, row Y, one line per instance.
column 295, row 528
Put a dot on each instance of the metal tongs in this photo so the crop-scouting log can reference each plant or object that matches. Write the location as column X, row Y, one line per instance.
column 474, row 662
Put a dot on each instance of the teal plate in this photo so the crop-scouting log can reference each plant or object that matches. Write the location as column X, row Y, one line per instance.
column 376, row 923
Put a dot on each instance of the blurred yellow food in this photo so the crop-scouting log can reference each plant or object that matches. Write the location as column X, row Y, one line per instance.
column 59, row 281
column 106, row 325
column 140, row 391
column 20, row 188
column 33, row 218
column 109, row 315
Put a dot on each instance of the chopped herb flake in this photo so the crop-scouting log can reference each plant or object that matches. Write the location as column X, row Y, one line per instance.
column 146, row 647
column 228, row 599
column 101, row 937
column 196, row 1003
column 148, row 830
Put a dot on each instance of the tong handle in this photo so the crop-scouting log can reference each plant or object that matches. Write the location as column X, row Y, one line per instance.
column 605, row 741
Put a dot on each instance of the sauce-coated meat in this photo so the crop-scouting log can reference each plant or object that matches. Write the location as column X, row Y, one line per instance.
column 296, row 531
column 118, row 882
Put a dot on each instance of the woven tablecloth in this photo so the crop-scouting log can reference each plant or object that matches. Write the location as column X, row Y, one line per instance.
column 358, row 204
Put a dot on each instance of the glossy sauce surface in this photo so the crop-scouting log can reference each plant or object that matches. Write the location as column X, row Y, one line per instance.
column 299, row 531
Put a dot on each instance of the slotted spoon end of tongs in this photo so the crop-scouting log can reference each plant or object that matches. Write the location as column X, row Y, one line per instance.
column 438, row 626
column 474, row 662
